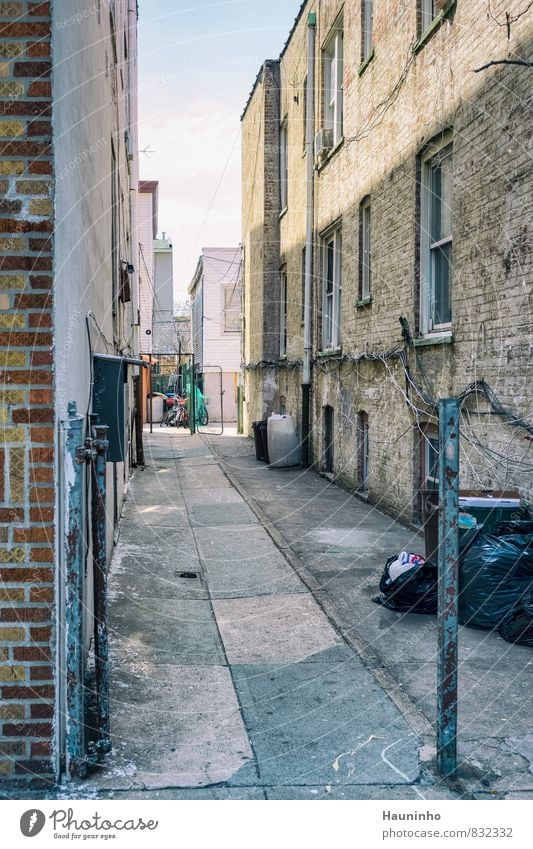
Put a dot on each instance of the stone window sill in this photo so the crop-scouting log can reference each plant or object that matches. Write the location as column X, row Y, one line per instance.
column 363, row 302
column 434, row 339
column 329, row 352
column 364, row 65
column 434, row 26
column 322, row 164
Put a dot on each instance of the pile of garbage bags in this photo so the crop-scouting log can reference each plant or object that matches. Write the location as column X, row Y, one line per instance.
column 495, row 582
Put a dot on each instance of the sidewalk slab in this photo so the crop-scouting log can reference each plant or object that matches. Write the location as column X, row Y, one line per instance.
column 165, row 631
column 324, row 723
column 212, row 516
column 274, row 629
column 175, row 726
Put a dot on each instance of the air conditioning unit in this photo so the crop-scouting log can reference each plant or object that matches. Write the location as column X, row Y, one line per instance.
column 323, row 143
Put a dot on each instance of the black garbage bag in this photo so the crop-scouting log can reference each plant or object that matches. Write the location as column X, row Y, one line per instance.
column 494, row 574
column 414, row 590
column 517, row 627
column 514, row 526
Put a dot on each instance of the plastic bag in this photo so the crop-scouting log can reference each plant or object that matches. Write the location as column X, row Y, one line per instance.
column 413, row 589
column 514, row 526
column 517, row 627
column 494, row 574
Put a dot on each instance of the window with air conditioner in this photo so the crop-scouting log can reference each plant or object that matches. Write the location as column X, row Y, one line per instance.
column 429, row 10
column 333, row 88
column 436, row 266
column 331, row 289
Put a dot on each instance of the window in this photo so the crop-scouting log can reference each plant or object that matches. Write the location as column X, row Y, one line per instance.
column 283, row 312
column 366, row 29
column 283, row 165
column 333, row 83
column 114, row 233
column 331, row 289
column 436, row 240
column 232, row 309
column 430, row 457
column 329, row 438
column 302, row 318
column 362, row 451
column 365, row 250
column 304, row 116
column 429, row 9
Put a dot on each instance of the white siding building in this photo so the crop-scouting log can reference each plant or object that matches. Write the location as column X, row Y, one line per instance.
column 215, row 293
column 164, row 331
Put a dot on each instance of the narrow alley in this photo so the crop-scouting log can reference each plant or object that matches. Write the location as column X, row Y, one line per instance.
column 238, row 597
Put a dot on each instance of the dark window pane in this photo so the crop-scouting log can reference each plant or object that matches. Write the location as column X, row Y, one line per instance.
column 442, row 307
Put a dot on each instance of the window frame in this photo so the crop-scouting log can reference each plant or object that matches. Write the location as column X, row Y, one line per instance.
column 429, row 448
column 283, row 165
column 302, row 314
column 333, row 81
column 228, row 309
column 365, row 249
column 367, row 32
column 331, row 300
column 283, row 312
column 363, row 451
column 429, row 21
column 435, row 254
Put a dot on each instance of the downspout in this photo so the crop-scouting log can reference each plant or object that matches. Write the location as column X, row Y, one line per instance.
column 309, row 138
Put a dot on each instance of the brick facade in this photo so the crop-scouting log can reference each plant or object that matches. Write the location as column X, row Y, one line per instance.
column 407, row 96
column 27, row 485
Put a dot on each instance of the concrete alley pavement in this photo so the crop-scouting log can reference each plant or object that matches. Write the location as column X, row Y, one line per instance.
column 248, row 661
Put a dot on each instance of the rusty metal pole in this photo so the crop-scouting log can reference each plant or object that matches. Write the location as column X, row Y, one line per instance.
column 99, row 549
column 75, row 458
column 151, row 401
column 448, row 607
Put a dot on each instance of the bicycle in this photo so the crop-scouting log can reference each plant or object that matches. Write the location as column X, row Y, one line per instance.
column 177, row 415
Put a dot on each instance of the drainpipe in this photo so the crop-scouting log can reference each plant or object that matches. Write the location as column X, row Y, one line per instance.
column 309, row 145
column 99, row 550
column 74, row 579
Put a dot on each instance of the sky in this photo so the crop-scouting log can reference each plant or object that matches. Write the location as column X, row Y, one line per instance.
column 197, row 65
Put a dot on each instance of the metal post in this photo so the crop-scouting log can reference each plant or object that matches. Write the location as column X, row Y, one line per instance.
column 75, row 570
column 192, row 399
column 448, row 608
column 99, row 550
column 151, row 401
column 309, row 232
column 139, row 447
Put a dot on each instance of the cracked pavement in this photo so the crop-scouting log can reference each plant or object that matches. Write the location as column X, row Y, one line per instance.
column 269, row 674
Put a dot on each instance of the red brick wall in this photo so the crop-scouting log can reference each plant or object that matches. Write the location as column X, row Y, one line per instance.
column 27, row 491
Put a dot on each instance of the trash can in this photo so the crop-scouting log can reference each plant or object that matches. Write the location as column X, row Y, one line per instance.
column 488, row 509
column 491, row 508
column 261, row 442
column 258, row 439
column 156, row 408
column 283, row 442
